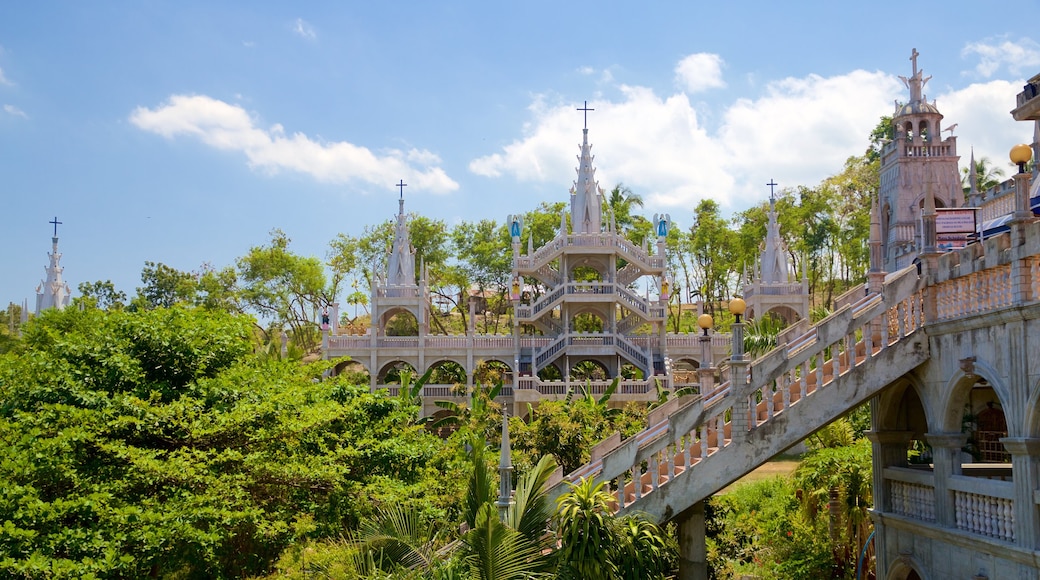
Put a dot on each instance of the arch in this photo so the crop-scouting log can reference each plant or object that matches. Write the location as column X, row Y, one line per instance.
column 589, row 369
column 784, row 312
column 355, row 371
column 906, row 567
column 399, row 321
column 924, row 130
column 447, row 371
column 491, row 371
column 958, row 388
column 588, row 320
column 1032, row 426
column 391, row 372
column 550, row 372
column 902, row 408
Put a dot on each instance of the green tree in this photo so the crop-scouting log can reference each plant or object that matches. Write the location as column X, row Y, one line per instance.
column 155, row 443
column 101, row 294
column 712, row 250
column 620, row 202
column 987, row 176
column 284, row 287
column 164, row 287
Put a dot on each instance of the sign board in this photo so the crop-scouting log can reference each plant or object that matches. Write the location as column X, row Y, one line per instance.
column 953, row 226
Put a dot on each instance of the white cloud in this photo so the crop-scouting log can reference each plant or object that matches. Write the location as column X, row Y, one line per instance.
column 304, row 29
column 1018, row 57
column 4, row 80
column 230, row 128
column 983, row 123
column 15, row 111
column 700, row 72
column 799, row 132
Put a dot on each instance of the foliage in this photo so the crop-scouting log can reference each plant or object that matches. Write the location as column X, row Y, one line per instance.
column 101, row 295
column 282, row 286
column 755, row 529
column 154, row 442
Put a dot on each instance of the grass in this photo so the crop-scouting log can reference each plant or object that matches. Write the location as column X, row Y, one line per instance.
column 783, row 465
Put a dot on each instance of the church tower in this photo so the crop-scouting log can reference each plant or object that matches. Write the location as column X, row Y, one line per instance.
column 586, row 195
column 53, row 292
column 917, row 160
column 772, row 286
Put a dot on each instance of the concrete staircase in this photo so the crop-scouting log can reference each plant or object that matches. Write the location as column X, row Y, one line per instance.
column 696, row 446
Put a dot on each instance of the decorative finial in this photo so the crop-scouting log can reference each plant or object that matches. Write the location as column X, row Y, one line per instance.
column 56, row 223
column 772, row 194
column 402, row 185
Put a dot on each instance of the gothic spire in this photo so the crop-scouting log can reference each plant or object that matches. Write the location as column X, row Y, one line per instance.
column 586, row 196
column 400, row 269
column 53, row 292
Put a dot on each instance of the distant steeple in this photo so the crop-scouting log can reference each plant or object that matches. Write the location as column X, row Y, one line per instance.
column 586, row 196
column 774, row 268
column 53, row 292
column 400, row 269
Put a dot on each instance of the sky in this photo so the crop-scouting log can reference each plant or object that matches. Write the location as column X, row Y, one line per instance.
column 185, row 131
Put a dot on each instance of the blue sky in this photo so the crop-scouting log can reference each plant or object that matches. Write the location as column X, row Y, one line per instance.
column 183, row 132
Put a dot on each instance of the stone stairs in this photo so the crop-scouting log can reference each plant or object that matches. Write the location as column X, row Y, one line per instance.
column 697, row 445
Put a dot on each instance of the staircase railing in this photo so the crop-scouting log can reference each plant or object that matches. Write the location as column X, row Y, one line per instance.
column 702, row 427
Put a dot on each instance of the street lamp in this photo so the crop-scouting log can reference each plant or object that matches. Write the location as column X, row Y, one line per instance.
column 737, row 306
column 707, row 369
column 1020, row 155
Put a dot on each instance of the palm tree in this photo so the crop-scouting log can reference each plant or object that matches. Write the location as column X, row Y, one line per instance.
column 620, row 201
column 987, row 176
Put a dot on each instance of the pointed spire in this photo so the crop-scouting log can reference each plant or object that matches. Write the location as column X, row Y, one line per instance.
column 401, row 265
column 586, row 195
column 53, row 292
column 530, row 244
column 774, row 268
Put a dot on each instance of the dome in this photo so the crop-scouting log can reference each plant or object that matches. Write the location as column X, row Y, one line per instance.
column 916, row 108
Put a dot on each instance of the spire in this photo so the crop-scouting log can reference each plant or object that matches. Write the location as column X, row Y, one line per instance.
column 400, row 269
column 53, row 292
column 974, row 195
column 774, row 268
column 586, row 196
column 916, row 82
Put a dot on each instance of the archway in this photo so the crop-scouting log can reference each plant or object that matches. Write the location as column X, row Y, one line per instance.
column 587, row 322
column 975, row 407
column 492, row 372
column 391, row 372
column 589, row 370
column 551, row 372
column 901, row 409
column 447, row 372
column 684, row 371
column 353, row 371
column 400, row 322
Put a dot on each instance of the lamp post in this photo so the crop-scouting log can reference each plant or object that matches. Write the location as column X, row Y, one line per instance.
column 706, row 371
column 1020, row 155
column 738, row 372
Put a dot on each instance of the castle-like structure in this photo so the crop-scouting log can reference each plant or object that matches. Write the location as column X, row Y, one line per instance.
column 588, row 296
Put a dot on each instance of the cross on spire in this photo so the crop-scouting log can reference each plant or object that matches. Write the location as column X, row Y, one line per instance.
column 55, row 222
column 402, row 185
column 586, row 109
column 771, row 185
column 913, row 58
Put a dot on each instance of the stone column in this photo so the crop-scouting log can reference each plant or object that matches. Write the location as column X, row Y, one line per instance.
column 946, row 450
column 693, row 550
column 888, row 449
column 1021, row 287
column 1025, row 467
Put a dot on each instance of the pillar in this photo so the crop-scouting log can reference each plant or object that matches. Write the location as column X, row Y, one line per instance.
column 946, row 450
column 1025, row 469
column 888, row 449
column 693, row 549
